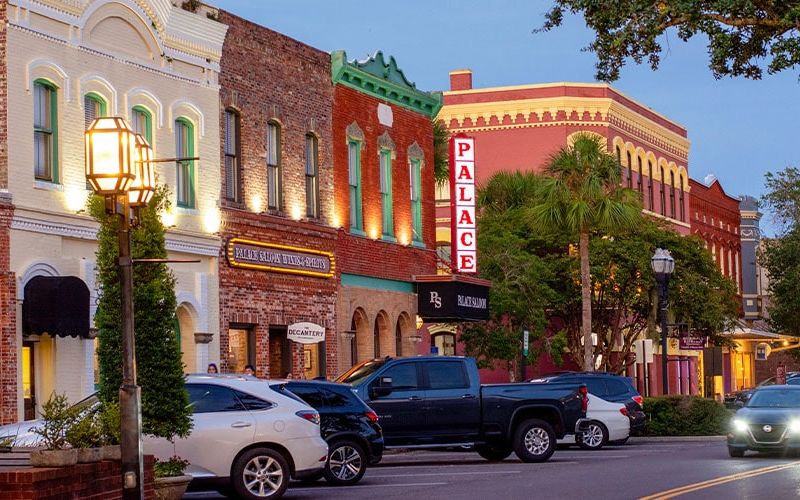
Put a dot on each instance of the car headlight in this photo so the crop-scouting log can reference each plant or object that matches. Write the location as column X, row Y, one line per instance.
column 794, row 426
column 740, row 425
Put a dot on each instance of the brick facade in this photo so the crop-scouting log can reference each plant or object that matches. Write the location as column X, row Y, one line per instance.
column 266, row 76
column 371, row 310
column 715, row 219
column 8, row 320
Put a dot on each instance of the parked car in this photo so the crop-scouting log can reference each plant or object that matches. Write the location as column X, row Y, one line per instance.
column 246, row 435
column 737, row 399
column 610, row 387
column 20, row 433
column 607, row 422
column 438, row 401
column 350, row 427
column 768, row 422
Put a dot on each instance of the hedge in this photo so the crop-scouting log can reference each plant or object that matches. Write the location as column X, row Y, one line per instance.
column 685, row 416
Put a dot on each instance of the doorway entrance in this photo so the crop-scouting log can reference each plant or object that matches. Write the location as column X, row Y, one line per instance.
column 280, row 352
column 28, row 380
column 241, row 349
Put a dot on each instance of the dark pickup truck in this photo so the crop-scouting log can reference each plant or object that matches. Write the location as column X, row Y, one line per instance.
column 438, row 401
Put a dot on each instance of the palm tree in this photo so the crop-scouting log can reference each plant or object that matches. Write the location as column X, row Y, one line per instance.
column 582, row 194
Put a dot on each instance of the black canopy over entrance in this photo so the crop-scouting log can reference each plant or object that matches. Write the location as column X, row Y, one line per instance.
column 443, row 298
column 58, row 306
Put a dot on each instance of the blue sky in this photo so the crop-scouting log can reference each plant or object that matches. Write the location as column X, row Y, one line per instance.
column 739, row 128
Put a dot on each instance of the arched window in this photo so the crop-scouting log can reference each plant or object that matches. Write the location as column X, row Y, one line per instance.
column 274, row 173
column 232, row 148
column 650, row 184
column 663, row 195
column 184, row 148
column 416, row 199
column 354, row 181
column 142, row 122
column 387, row 206
column 630, row 171
column 641, row 174
column 672, row 198
column 312, row 177
column 681, row 199
column 45, row 131
column 445, row 343
column 94, row 106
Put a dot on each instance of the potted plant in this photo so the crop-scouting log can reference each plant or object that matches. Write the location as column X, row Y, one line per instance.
column 7, row 443
column 171, row 482
column 110, row 430
column 57, row 418
column 84, row 435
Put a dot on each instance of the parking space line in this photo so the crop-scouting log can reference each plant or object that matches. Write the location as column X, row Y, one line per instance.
column 690, row 488
column 362, row 486
column 471, row 473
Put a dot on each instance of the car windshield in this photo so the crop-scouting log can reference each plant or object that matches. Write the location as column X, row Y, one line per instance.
column 775, row 399
column 361, row 371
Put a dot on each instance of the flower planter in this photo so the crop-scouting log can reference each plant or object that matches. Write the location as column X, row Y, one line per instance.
column 112, row 452
column 54, row 458
column 171, row 488
column 89, row 455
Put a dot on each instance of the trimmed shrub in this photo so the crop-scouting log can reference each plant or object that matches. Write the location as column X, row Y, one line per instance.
column 685, row 416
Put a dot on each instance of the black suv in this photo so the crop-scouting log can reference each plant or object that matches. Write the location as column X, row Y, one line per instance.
column 611, row 387
column 350, row 427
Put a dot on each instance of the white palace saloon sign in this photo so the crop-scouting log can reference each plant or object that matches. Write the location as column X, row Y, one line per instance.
column 462, row 194
column 280, row 258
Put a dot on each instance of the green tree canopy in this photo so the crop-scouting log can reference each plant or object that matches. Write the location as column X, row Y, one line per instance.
column 165, row 410
column 580, row 194
column 742, row 34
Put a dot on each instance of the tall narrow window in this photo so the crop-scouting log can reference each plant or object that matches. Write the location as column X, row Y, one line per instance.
column 641, row 175
column 672, row 199
column 232, row 187
column 416, row 200
column 630, row 171
column 662, row 193
column 184, row 148
column 681, row 200
column 354, row 180
column 386, row 193
column 274, row 188
column 45, row 131
column 312, row 177
column 650, row 184
column 94, row 106
column 142, row 122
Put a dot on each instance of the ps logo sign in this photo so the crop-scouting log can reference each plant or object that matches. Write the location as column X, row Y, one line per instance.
column 436, row 300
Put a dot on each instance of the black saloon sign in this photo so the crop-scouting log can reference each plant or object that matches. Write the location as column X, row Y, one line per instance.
column 452, row 301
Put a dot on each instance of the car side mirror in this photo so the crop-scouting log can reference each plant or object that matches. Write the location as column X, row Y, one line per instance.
column 383, row 387
column 738, row 403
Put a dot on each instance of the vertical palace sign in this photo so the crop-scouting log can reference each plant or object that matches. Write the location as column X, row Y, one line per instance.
column 462, row 196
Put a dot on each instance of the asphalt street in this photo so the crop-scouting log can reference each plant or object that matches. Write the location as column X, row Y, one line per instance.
column 640, row 469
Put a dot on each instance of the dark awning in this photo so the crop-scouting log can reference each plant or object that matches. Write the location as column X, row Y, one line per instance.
column 58, row 306
column 442, row 298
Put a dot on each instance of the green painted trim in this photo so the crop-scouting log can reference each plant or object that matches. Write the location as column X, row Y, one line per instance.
column 383, row 81
column 416, row 205
column 53, row 127
column 148, row 122
column 358, row 224
column 99, row 100
column 387, row 207
column 358, row 232
column 190, row 203
column 418, row 244
column 376, row 283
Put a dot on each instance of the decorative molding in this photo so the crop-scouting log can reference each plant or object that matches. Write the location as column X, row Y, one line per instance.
column 353, row 131
column 184, row 246
column 415, row 152
column 203, row 337
column 385, row 142
column 384, row 81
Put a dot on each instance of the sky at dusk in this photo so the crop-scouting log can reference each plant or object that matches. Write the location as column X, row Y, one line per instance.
column 739, row 129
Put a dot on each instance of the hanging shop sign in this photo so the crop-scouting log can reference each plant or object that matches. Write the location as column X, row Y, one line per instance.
column 462, row 196
column 306, row 333
column 280, row 258
column 452, row 301
column 692, row 343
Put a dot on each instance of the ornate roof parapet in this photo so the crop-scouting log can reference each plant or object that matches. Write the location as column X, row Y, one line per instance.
column 376, row 77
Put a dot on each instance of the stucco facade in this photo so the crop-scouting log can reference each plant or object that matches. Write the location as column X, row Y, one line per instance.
column 147, row 55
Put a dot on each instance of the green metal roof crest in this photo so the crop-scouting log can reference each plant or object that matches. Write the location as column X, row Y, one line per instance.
column 384, row 81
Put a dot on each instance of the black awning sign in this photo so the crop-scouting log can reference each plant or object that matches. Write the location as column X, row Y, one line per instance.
column 58, row 306
column 452, row 301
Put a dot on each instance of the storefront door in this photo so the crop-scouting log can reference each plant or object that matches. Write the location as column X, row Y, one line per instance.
column 241, row 349
column 28, row 380
column 280, row 353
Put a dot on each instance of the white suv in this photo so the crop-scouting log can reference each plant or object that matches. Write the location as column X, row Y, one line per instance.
column 247, row 432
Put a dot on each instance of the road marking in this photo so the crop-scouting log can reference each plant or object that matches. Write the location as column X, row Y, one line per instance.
column 448, row 473
column 690, row 488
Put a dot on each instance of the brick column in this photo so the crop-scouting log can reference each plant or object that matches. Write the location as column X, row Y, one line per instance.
column 8, row 320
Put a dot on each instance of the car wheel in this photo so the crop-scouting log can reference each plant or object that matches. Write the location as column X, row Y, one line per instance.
column 260, row 473
column 493, row 453
column 619, row 442
column 735, row 452
column 346, row 463
column 534, row 440
column 594, row 437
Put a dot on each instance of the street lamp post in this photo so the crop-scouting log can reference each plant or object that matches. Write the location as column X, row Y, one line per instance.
column 663, row 264
column 118, row 167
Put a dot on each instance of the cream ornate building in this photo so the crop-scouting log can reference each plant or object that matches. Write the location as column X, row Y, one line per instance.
column 156, row 65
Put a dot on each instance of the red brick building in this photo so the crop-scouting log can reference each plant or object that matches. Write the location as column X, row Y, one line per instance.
column 383, row 205
column 277, row 266
column 715, row 219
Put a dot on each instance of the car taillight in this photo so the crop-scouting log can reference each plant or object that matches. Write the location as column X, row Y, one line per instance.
column 584, row 392
column 372, row 416
column 639, row 401
column 309, row 415
column 624, row 411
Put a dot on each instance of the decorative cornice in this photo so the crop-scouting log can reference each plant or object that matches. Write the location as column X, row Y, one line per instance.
column 193, row 248
column 383, row 81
